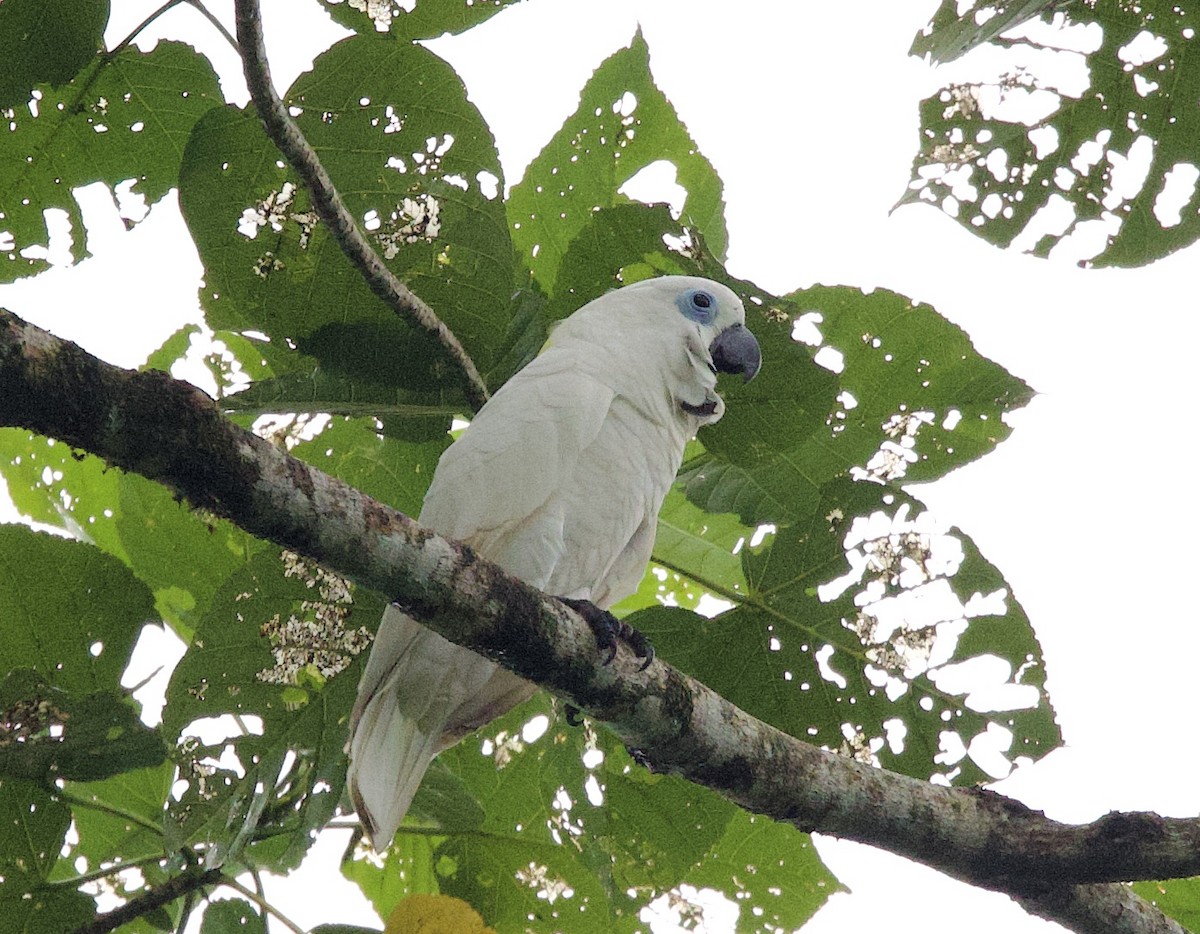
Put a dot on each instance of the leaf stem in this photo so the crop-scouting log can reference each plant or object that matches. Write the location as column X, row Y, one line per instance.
column 104, row 873
column 262, row 903
column 217, row 24
column 196, row 4
column 109, row 809
column 120, row 46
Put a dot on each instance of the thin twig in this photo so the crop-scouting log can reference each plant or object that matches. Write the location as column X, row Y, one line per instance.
column 217, row 24
column 133, row 33
column 262, row 903
column 328, row 202
column 113, row 870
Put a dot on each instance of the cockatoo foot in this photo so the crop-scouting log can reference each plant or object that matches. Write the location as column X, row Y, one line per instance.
column 608, row 629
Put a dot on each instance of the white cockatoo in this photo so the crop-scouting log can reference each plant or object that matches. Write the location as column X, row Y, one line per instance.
column 559, row 480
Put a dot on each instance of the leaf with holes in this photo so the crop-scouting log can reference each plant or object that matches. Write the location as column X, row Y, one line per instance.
column 67, row 610
column 121, row 120
column 415, row 164
column 623, row 125
column 858, row 626
column 1088, row 154
column 911, row 399
column 422, row 19
column 956, row 28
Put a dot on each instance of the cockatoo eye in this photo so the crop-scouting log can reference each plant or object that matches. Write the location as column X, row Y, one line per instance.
column 699, row 305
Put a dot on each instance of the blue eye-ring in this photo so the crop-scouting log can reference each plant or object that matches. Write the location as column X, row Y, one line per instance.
column 699, row 305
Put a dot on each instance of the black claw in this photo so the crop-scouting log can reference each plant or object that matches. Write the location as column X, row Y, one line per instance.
column 640, row 757
column 639, row 643
column 608, row 629
column 573, row 716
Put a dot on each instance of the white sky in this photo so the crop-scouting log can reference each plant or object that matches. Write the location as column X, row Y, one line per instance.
column 809, row 112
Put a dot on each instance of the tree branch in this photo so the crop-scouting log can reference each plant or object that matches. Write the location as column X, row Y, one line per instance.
column 328, row 203
column 172, row 433
column 152, row 899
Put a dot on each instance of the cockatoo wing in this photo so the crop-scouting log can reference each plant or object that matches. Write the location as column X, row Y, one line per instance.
column 495, row 489
column 493, row 484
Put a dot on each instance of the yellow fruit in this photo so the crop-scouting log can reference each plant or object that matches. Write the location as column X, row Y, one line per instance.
column 435, row 914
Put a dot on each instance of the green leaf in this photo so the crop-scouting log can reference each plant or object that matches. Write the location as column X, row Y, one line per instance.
column 121, row 808
column 32, row 909
column 393, row 471
column 272, row 645
column 33, row 825
column 603, row 860
column 997, row 168
column 416, row 158
column 46, row 41
column 503, row 883
column 181, row 554
column 124, row 118
column 855, row 623
column 342, row 929
column 232, row 916
column 425, row 19
column 406, row 868
column 67, row 610
column 318, row 391
column 1176, row 898
column 65, row 736
column 624, row 123
column 770, row 870
column 912, row 401
column 695, row 554
column 616, row 246
column 954, row 31
column 172, row 349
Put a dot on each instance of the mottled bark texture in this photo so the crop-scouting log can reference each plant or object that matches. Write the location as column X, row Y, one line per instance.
column 170, row 432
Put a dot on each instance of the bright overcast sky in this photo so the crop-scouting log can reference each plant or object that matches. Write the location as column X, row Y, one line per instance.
column 809, row 113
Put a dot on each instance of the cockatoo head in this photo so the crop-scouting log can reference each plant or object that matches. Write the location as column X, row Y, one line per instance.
column 714, row 311
column 674, row 333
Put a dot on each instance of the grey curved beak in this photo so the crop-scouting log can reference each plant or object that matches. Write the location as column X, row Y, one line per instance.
column 735, row 350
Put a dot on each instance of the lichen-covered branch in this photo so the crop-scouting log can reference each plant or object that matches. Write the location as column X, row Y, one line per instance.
column 328, row 202
column 172, row 433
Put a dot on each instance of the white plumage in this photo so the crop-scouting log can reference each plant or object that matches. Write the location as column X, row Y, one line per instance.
column 559, row 480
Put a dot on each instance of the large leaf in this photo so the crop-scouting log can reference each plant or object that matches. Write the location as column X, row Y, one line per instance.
column 395, row 472
column 271, row 646
column 67, row 610
column 561, row 844
column 60, row 735
column 956, row 28
column 33, row 826
column 854, row 622
column 181, row 554
column 1177, row 898
column 624, row 123
column 1021, row 157
column 916, row 400
column 414, row 161
column 122, row 118
column 120, row 813
column 423, row 19
column 46, row 42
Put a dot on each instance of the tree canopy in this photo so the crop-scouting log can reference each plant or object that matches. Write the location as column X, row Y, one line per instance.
column 789, row 541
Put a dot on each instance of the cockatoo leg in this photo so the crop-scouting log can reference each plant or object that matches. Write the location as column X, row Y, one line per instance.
column 608, row 629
